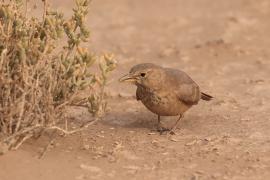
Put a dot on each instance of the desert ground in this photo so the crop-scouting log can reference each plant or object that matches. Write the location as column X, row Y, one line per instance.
column 223, row 45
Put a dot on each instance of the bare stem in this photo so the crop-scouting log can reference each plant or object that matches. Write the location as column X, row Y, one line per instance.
column 66, row 132
column 45, row 6
column 26, row 8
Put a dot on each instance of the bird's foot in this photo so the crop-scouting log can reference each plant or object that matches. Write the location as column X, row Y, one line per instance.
column 172, row 132
column 162, row 130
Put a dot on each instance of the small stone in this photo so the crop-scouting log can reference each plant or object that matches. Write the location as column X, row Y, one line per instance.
column 191, row 143
column 173, row 139
column 92, row 169
column 199, row 172
column 155, row 143
column 100, row 136
column 191, row 166
column 86, row 147
column 245, row 119
column 132, row 169
column 165, row 153
column 124, row 95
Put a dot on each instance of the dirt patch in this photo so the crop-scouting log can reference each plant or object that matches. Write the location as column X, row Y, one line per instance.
column 222, row 45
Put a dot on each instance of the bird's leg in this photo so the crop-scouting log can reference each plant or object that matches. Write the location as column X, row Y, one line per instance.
column 159, row 121
column 159, row 124
column 176, row 124
column 161, row 129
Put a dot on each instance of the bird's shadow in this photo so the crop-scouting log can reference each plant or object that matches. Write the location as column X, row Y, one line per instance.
column 146, row 119
column 139, row 117
column 131, row 119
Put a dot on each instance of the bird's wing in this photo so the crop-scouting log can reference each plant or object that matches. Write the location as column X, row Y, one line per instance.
column 189, row 93
column 184, row 87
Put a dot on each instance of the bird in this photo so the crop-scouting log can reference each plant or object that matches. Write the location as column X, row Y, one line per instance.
column 165, row 91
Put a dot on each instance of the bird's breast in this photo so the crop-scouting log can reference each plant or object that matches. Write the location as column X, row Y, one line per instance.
column 160, row 102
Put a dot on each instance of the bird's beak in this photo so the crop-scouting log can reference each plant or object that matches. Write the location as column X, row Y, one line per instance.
column 128, row 78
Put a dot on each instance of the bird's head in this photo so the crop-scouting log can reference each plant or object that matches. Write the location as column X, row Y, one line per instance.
column 147, row 74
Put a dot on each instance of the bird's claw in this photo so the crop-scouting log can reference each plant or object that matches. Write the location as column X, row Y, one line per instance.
column 162, row 130
column 172, row 132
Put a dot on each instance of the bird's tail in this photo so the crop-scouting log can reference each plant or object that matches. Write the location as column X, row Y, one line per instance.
column 206, row 97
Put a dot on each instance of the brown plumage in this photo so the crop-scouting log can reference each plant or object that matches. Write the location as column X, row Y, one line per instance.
column 165, row 91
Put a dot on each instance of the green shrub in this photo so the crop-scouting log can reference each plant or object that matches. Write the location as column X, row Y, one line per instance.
column 43, row 67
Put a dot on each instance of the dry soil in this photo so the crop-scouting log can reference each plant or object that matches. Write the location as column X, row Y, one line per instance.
column 222, row 44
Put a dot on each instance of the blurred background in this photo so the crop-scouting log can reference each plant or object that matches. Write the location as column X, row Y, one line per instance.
column 206, row 38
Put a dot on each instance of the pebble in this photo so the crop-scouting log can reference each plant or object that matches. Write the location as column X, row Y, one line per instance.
column 92, row 169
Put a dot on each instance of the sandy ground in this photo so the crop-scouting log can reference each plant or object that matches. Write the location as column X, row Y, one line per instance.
column 223, row 45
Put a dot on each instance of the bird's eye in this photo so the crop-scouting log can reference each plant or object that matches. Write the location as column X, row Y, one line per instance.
column 143, row 74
